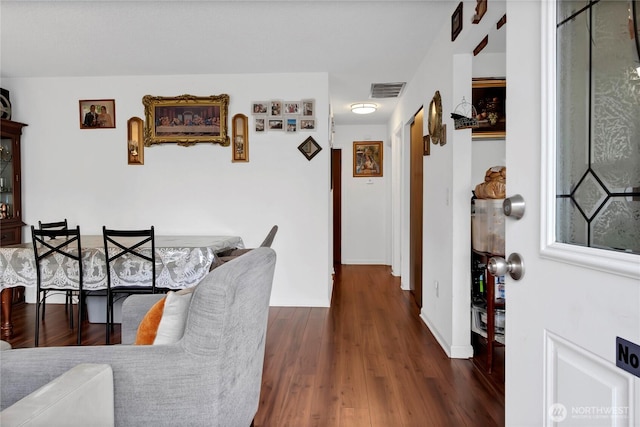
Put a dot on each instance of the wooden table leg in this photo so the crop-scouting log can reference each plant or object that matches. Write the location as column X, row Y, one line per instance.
column 6, row 300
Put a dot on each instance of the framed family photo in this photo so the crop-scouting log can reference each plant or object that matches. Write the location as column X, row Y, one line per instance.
column 97, row 113
column 186, row 119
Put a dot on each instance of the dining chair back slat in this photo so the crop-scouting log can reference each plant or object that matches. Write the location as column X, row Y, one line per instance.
column 48, row 243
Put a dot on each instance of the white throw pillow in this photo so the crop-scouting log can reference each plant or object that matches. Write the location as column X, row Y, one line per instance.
column 174, row 318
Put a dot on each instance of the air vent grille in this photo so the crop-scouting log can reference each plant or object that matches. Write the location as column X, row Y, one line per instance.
column 386, row 90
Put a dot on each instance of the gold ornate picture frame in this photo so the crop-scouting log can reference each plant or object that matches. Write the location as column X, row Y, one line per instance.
column 186, row 119
column 367, row 159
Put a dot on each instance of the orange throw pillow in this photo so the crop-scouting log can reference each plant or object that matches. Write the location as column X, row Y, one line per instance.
column 148, row 327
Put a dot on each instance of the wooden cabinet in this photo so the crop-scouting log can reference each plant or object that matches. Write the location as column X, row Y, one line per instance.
column 10, row 183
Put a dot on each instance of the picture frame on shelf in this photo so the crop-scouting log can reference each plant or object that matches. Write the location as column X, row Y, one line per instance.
column 367, row 159
column 97, row 113
column 489, row 100
column 456, row 22
column 186, row 119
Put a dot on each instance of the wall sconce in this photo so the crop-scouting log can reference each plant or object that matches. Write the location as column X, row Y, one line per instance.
column 363, row 108
column 135, row 145
column 240, row 136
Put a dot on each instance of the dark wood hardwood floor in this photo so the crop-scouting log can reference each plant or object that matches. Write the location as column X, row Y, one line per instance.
column 367, row 361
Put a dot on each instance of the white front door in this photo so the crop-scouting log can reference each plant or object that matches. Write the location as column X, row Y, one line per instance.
column 564, row 315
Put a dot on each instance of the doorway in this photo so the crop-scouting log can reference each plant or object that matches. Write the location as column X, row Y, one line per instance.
column 336, row 186
column 415, row 208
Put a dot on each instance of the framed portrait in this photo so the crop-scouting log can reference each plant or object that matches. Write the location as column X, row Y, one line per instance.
column 456, row 22
column 291, row 107
column 275, row 108
column 97, row 113
column 308, row 107
column 367, row 159
column 260, row 124
column 275, row 124
column 489, row 100
column 291, row 124
column 259, row 107
column 307, row 124
column 186, row 119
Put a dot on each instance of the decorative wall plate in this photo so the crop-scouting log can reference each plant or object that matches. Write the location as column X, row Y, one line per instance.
column 435, row 118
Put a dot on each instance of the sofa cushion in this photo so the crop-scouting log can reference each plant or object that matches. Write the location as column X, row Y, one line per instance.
column 149, row 324
column 174, row 317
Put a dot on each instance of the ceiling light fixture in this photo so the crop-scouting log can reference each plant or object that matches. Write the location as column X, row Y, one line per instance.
column 363, row 108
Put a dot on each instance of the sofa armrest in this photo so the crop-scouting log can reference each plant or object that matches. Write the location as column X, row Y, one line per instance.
column 82, row 396
column 134, row 309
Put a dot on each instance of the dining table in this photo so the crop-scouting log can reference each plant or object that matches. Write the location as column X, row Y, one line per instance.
column 181, row 262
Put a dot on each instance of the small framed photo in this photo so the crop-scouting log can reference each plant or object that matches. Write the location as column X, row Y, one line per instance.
column 275, row 124
column 307, row 124
column 308, row 107
column 260, row 124
column 259, row 107
column 97, row 113
column 292, row 107
column 291, row 124
column 275, row 108
column 367, row 158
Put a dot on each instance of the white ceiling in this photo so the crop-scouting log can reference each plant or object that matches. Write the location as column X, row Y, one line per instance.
column 356, row 42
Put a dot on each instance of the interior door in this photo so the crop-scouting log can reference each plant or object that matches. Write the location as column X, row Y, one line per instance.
column 415, row 208
column 564, row 315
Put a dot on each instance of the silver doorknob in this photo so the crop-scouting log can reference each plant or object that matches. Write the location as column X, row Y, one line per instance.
column 498, row 266
column 514, row 206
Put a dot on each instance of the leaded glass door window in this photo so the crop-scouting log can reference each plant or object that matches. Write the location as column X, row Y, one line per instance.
column 598, row 124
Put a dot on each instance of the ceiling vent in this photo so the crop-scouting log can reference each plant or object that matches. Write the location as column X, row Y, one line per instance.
column 386, row 90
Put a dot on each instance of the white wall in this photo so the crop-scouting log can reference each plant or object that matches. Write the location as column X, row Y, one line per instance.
column 82, row 175
column 365, row 202
column 448, row 180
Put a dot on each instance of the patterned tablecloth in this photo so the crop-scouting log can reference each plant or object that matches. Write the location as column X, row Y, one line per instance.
column 181, row 262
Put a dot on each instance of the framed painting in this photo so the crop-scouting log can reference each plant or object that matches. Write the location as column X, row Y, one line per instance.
column 292, row 124
column 489, row 96
column 259, row 124
column 367, row 159
column 186, row 119
column 275, row 108
column 456, row 22
column 291, row 107
column 97, row 113
column 275, row 124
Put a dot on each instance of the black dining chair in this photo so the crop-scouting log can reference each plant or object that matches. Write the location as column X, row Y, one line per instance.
column 131, row 266
column 59, row 225
column 232, row 254
column 57, row 249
